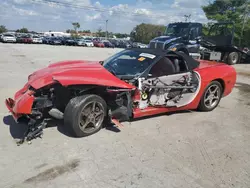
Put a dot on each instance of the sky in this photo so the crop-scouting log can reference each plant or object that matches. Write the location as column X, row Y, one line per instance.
column 122, row 15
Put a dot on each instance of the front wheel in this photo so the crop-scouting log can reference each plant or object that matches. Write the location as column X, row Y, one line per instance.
column 211, row 97
column 84, row 115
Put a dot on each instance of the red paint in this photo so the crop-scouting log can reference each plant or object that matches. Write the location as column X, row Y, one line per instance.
column 208, row 71
column 93, row 73
column 76, row 72
column 98, row 44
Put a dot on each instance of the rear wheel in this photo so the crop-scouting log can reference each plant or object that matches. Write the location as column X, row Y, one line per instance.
column 233, row 58
column 211, row 97
column 85, row 115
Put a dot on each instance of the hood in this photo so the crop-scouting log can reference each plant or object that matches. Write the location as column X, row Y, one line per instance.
column 75, row 73
column 165, row 39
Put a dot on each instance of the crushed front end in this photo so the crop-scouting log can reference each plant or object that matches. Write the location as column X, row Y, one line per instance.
column 31, row 105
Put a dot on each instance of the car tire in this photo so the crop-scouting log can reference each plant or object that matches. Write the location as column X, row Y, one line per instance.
column 81, row 110
column 233, row 58
column 211, row 97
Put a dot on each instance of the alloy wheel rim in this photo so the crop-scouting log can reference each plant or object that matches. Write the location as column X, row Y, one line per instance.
column 91, row 117
column 212, row 96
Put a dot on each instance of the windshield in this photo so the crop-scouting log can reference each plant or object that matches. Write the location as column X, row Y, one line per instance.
column 8, row 35
column 129, row 63
column 180, row 29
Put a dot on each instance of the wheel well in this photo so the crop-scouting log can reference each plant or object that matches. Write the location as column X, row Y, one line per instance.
column 222, row 83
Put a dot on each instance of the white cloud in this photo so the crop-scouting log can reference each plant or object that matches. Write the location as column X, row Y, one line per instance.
column 94, row 17
column 122, row 17
column 142, row 11
column 23, row 12
column 188, row 3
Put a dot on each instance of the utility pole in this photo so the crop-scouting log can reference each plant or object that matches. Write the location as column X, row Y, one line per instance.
column 107, row 29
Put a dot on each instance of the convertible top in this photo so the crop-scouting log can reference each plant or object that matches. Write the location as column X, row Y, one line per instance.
column 191, row 63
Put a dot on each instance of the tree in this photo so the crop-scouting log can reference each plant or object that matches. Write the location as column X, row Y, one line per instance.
column 100, row 33
column 146, row 32
column 86, row 31
column 3, row 29
column 22, row 30
column 76, row 26
column 231, row 10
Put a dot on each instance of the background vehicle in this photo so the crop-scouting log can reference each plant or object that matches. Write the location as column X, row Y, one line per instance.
column 55, row 41
column 70, row 41
column 45, row 40
column 37, row 39
column 8, row 38
column 108, row 44
column 219, row 45
column 98, row 44
column 130, row 84
column 81, row 42
column 24, row 39
column 139, row 45
column 182, row 37
column 88, row 43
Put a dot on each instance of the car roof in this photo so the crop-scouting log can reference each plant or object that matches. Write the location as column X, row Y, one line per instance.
column 191, row 63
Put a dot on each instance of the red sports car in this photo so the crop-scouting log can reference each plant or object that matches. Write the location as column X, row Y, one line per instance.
column 130, row 84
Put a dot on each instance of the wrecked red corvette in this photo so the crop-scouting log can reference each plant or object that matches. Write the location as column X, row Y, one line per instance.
column 130, row 84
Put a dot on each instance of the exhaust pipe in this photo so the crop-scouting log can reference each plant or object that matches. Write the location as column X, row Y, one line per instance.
column 55, row 113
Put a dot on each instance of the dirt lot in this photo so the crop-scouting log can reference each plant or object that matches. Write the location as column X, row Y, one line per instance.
column 189, row 150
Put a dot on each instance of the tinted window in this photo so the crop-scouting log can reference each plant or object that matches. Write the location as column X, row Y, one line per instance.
column 129, row 62
column 8, row 35
column 162, row 68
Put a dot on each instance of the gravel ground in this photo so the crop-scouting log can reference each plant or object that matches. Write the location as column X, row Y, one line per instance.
column 189, row 149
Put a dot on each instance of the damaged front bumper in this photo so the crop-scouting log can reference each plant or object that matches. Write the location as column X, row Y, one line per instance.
column 22, row 103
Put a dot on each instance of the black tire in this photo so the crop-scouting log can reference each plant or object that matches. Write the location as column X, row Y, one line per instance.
column 73, row 113
column 203, row 106
column 233, row 58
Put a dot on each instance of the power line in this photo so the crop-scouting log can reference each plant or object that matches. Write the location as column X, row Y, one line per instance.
column 85, row 7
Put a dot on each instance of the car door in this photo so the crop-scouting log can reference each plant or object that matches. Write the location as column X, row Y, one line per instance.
column 170, row 84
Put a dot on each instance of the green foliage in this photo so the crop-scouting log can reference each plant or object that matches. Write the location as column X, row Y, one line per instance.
column 3, row 29
column 86, row 31
column 22, row 30
column 146, row 32
column 231, row 10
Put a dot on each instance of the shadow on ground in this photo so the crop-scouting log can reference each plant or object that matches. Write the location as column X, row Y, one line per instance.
column 17, row 129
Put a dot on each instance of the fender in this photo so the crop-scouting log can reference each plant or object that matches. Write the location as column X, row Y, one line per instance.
column 78, row 80
column 178, row 47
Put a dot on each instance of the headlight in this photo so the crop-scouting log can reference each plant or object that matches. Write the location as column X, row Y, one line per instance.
column 173, row 49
